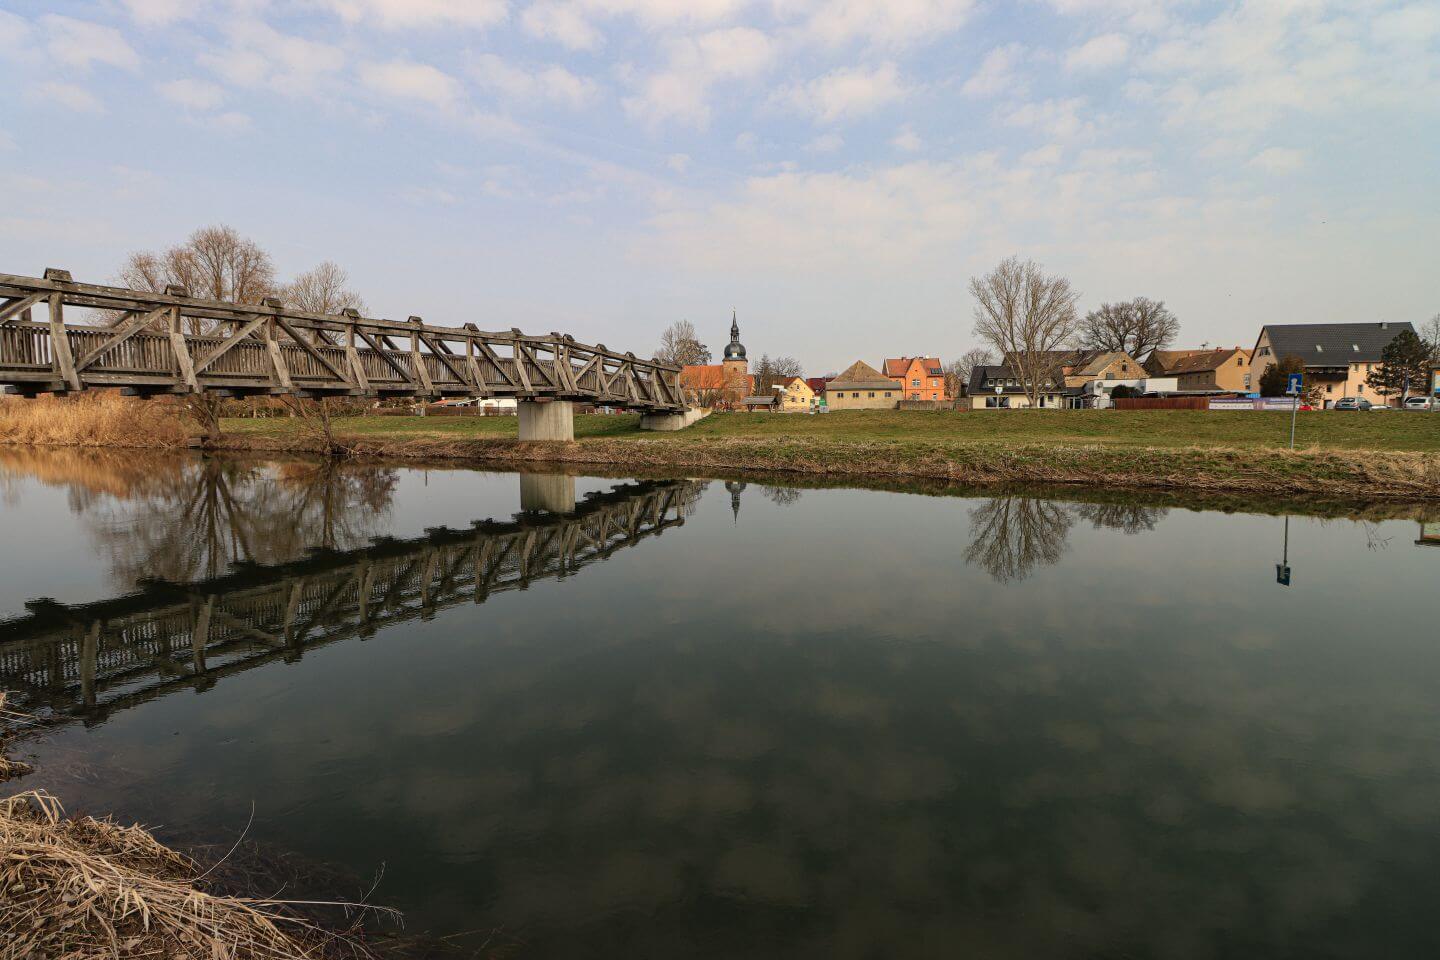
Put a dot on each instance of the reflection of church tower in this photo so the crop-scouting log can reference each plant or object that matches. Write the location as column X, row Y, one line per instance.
column 735, row 487
column 735, row 365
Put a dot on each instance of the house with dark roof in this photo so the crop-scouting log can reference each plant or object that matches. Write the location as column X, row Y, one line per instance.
column 1199, row 371
column 997, row 387
column 1337, row 357
column 1075, row 368
column 919, row 378
column 862, row 387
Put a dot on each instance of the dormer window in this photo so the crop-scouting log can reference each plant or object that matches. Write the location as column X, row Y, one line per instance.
column 1319, row 348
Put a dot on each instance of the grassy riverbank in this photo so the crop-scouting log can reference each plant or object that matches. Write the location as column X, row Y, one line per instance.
column 1367, row 456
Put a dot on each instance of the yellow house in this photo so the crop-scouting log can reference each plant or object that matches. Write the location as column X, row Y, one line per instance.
column 1338, row 357
column 1227, row 369
column 798, row 397
column 862, row 387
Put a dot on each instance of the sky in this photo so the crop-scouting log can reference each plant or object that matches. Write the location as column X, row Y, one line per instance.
column 833, row 170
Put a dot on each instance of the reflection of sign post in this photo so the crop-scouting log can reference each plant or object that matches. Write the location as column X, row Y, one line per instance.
column 1294, row 384
column 1282, row 569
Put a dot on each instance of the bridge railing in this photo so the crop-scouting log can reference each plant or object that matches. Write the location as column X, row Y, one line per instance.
column 171, row 342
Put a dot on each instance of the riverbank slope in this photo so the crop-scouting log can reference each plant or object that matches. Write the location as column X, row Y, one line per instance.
column 1373, row 455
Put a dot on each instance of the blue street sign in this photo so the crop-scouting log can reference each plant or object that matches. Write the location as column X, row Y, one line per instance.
column 1297, row 381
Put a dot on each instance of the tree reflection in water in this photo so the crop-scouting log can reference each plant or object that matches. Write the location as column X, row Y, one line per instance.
column 1010, row 536
column 201, row 517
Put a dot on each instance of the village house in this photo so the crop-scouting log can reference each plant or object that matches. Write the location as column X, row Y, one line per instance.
column 1160, row 361
column 919, row 378
column 1337, row 356
column 797, row 397
column 861, row 387
column 998, row 388
column 1201, row 370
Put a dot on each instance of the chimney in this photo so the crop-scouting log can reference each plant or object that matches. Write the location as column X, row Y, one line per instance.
column 1384, row 325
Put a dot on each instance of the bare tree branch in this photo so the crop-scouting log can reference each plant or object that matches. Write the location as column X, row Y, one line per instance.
column 1025, row 315
column 1137, row 327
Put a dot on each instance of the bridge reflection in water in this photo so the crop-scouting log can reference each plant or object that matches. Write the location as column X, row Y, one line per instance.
column 89, row 660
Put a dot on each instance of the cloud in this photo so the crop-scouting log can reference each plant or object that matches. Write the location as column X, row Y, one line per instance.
column 907, row 139
column 1060, row 119
column 826, row 143
column 161, row 12
column 565, row 23
column 1278, row 160
column 1098, row 53
column 405, row 14
column 69, row 95
column 996, row 73
column 678, row 162
column 409, row 80
column 552, row 83
column 80, row 43
column 230, row 122
column 891, row 23
column 846, row 92
column 257, row 55
column 695, row 64
column 424, row 196
column 195, row 94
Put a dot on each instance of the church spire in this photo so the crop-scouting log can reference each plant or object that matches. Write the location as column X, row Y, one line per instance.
column 736, row 350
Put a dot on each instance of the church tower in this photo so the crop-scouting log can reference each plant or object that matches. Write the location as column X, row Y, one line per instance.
column 735, row 365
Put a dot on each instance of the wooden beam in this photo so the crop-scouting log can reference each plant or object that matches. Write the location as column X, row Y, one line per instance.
column 121, row 333
column 60, row 345
column 309, row 348
column 17, row 306
column 220, row 349
column 357, row 369
column 444, row 359
column 182, row 351
column 417, row 360
column 385, row 355
column 277, row 359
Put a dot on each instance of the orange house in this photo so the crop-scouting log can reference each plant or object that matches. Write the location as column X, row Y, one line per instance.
column 715, row 385
column 920, row 378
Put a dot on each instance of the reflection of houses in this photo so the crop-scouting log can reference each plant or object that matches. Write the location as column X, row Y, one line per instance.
column 1337, row 356
column 1429, row 534
column 725, row 384
column 861, row 387
column 1203, row 370
column 919, row 378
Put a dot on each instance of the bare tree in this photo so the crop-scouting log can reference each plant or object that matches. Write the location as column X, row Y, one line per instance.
column 680, row 344
column 215, row 263
column 1025, row 315
column 1137, row 327
column 958, row 372
column 322, row 290
column 1430, row 333
column 777, row 372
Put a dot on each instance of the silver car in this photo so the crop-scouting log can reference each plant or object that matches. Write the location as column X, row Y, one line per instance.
column 1352, row 403
column 1420, row 403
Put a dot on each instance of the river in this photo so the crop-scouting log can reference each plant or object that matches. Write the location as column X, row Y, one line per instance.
column 676, row 717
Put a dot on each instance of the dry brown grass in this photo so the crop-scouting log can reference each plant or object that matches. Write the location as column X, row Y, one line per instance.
column 93, row 419
column 74, row 888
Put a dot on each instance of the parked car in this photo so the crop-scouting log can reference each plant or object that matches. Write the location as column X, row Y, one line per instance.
column 1421, row 403
column 1352, row 403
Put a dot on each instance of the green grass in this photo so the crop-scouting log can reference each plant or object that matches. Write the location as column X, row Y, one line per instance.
column 1327, row 430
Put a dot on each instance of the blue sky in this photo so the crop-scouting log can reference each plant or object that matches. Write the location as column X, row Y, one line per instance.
column 835, row 170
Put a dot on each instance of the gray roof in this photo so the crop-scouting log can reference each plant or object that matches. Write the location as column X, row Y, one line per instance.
column 980, row 374
column 1332, row 344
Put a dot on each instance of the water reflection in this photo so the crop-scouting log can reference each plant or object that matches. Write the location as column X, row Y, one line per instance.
column 210, row 548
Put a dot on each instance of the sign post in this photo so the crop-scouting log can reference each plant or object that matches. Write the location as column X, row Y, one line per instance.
column 1295, row 385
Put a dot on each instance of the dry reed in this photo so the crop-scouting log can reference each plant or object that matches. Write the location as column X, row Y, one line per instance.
column 82, row 887
column 93, row 419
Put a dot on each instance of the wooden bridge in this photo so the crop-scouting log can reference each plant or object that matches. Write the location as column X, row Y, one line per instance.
column 172, row 343
column 92, row 659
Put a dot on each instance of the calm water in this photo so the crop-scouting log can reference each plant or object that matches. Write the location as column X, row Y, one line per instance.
column 697, row 718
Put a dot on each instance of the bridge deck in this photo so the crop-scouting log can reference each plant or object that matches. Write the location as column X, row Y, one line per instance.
column 173, row 343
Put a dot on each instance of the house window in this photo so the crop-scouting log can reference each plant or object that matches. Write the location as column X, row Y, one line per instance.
column 1329, row 387
column 1362, row 388
column 856, row 394
column 915, row 382
column 887, row 394
column 1264, row 351
column 872, row 394
column 934, row 382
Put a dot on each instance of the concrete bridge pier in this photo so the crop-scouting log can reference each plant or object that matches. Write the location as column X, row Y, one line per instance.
column 546, row 419
column 673, row 421
column 548, row 492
